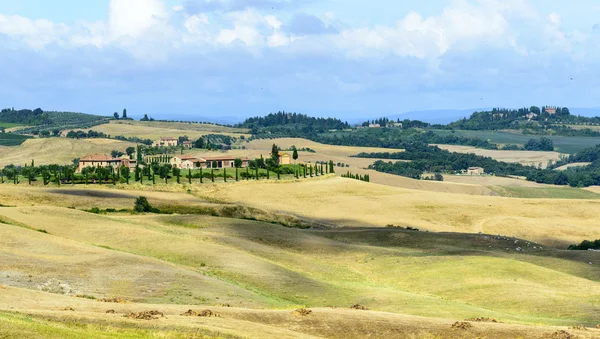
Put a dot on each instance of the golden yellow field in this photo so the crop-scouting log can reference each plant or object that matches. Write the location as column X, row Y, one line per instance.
column 241, row 249
column 254, row 274
column 57, row 150
column 534, row 158
column 575, row 164
column 154, row 130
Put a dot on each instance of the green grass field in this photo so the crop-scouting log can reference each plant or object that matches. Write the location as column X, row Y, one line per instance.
column 9, row 125
column 9, row 139
column 562, row 144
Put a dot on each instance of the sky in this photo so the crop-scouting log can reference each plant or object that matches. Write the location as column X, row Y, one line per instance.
column 230, row 59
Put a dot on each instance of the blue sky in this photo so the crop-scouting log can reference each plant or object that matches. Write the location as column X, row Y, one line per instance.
column 346, row 58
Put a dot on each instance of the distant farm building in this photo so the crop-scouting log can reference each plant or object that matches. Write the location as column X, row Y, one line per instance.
column 284, row 158
column 550, row 110
column 374, row 125
column 101, row 160
column 396, row 124
column 166, row 142
column 531, row 116
column 474, row 171
column 187, row 144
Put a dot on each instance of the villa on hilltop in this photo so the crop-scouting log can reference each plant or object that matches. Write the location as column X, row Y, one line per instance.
column 166, row 142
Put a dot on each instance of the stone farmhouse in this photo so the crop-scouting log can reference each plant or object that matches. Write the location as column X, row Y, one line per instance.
column 103, row 160
column 474, row 171
column 284, row 158
column 166, row 142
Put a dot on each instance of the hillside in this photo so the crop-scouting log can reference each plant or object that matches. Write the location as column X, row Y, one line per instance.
column 155, row 129
column 37, row 119
column 47, row 151
column 416, row 284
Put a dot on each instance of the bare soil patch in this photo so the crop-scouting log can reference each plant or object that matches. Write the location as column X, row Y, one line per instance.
column 302, row 312
column 204, row 313
column 145, row 315
column 359, row 307
column 462, row 325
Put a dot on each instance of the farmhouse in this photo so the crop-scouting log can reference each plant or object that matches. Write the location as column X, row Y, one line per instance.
column 374, row 125
column 222, row 162
column 101, row 160
column 550, row 110
column 531, row 116
column 185, row 162
column 396, row 124
column 187, row 144
column 474, row 171
column 165, row 142
column 284, row 158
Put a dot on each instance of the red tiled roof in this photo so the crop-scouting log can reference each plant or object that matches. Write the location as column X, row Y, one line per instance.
column 223, row 158
column 99, row 157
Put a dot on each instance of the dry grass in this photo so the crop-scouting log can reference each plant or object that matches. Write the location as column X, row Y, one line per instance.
column 57, row 150
column 522, row 157
column 352, row 203
column 155, row 130
column 575, row 164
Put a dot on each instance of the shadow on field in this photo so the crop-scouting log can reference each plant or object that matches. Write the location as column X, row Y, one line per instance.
column 90, row 193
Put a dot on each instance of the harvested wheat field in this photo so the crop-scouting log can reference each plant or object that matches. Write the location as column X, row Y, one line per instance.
column 349, row 202
column 154, row 130
column 57, row 150
column 58, row 261
column 532, row 158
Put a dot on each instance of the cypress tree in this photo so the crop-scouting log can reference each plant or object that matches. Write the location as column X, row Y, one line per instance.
column 304, row 171
column 178, row 176
column 237, row 174
column 153, row 177
column 212, row 174
column 224, row 174
column 190, row 175
column 321, row 168
column 200, row 174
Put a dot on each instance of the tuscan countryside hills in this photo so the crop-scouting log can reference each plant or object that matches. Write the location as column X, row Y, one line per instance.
column 299, row 169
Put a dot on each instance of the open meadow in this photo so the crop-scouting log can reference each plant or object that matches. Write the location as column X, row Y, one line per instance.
column 562, row 144
column 253, row 252
column 58, row 261
column 57, row 150
column 155, row 129
column 527, row 158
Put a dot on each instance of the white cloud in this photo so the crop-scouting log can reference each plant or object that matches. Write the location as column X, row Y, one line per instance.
column 144, row 27
column 134, row 17
column 35, row 33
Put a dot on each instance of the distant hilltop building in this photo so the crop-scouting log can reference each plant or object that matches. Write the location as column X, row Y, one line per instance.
column 550, row 110
column 166, row 142
column 474, row 171
column 374, row 125
column 531, row 116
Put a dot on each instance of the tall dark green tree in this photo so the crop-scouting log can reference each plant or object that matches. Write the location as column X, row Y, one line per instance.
column 275, row 154
column 190, row 175
column 124, row 114
column 295, row 154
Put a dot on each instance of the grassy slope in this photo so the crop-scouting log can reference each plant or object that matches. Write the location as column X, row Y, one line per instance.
column 562, row 144
column 546, row 193
column 530, row 158
column 353, row 203
column 57, row 150
column 155, row 130
column 451, row 276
